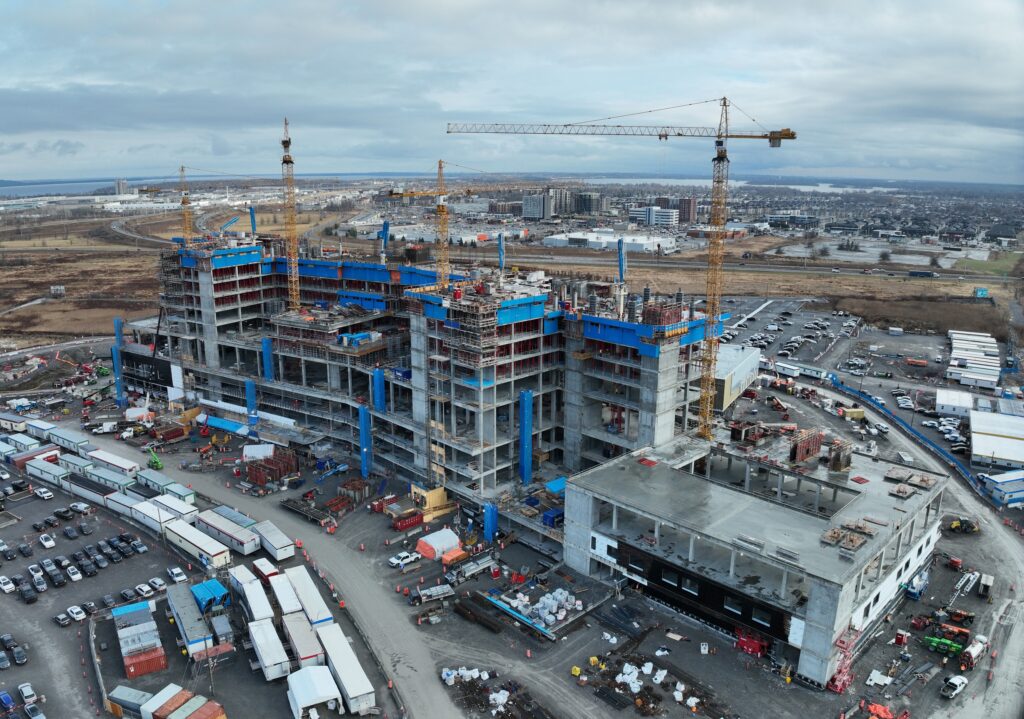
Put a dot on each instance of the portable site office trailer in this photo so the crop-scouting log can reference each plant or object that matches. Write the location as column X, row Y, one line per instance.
column 7, row 450
column 269, row 650
column 74, row 463
column 257, row 606
column 182, row 510
column 240, row 575
column 152, row 516
column 190, row 540
column 224, row 530
column 39, row 428
column 12, row 422
column 274, row 541
column 264, row 569
column 300, row 635
column 181, row 492
column 195, row 633
column 313, row 605
column 46, row 471
column 284, row 595
column 114, row 463
column 355, row 686
column 233, row 515
column 69, row 439
column 120, row 503
column 22, row 442
column 153, row 479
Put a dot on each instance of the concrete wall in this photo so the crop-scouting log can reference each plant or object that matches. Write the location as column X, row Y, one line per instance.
column 581, row 513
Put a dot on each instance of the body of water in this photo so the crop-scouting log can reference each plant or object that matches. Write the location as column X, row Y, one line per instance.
column 705, row 182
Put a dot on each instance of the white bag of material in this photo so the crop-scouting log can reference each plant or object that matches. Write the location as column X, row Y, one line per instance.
column 659, row 676
column 484, row 676
column 678, row 696
column 499, row 699
column 450, row 681
column 680, row 687
column 661, row 652
column 692, row 702
column 647, row 668
column 635, row 686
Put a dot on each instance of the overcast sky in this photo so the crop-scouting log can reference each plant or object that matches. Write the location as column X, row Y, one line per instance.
column 907, row 89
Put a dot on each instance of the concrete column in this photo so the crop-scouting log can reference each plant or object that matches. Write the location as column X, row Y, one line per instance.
column 817, row 497
column 657, row 533
column 778, row 490
column 732, row 562
column 899, row 545
column 881, row 563
column 693, row 539
column 615, row 517
column 746, row 476
column 782, row 584
column 728, row 463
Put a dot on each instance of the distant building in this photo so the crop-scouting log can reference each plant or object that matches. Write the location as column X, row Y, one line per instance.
column 663, row 202
column 121, row 187
column 654, row 216
column 498, row 207
column 561, row 201
column 587, row 203
column 538, row 207
column 687, row 209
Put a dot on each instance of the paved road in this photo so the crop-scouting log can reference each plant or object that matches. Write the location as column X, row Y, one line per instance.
column 118, row 227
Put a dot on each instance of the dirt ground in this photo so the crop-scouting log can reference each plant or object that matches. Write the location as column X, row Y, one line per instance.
column 99, row 286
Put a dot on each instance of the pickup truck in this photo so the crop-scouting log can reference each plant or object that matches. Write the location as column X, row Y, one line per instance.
column 400, row 560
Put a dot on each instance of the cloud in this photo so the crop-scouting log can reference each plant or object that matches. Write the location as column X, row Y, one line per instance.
column 902, row 89
column 60, row 148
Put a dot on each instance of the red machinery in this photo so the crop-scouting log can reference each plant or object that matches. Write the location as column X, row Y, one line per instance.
column 750, row 643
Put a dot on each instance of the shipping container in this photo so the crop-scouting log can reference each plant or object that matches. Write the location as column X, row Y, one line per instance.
column 188, row 708
column 400, row 524
column 180, row 491
column 284, row 595
column 143, row 663
column 158, row 700
column 209, row 710
column 305, row 647
column 274, row 541
column 152, row 516
column 129, row 699
column 269, row 650
column 313, row 605
column 182, row 510
column 46, row 471
column 115, row 463
column 224, row 530
column 21, row 459
column 190, row 540
column 356, row 688
column 172, row 704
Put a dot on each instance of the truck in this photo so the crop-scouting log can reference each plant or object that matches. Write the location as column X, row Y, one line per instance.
column 916, row 362
column 425, row 595
column 917, row 586
column 105, row 428
column 922, row 273
column 464, row 571
column 306, row 509
column 985, row 585
column 970, row 656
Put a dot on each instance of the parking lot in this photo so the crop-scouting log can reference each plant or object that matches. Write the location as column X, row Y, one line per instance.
column 58, row 666
column 787, row 329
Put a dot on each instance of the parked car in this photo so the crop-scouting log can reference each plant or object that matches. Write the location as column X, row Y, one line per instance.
column 109, row 601
column 28, row 694
column 61, row 561
column 85, row 528
column 70, row 532
column 6, row 585
column 43, row 493
column 158, row 584
column 32, row 711
column 139, row 547
column 48, row 564
column 80, row 507
column 144, row 591
column 62, row 620
column 76, row 613
column 51, row 521
column 100, row 561
column 177, row 576
column 74, row 574
column 403, row 558
column 6, row 702
column 88, row 568
column 8, row 641
column 34, row 570
column 64, row 513
column 128, row 595
column 28, row 595
column 9, row 554
column 57, row 578
column 90, row 607
column 78, row 556
column 39, row 526
column 128, row 537
column 39, row 584
column 5, row 661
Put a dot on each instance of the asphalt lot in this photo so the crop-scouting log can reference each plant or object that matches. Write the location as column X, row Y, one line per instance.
column 56, row 654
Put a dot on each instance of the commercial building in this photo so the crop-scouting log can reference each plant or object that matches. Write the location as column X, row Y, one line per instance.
column 1006, row 488
column 801, row 565
column 538, row 207
column 997, row 440
column 588, row 203
column 687, row 209
column 654, row 216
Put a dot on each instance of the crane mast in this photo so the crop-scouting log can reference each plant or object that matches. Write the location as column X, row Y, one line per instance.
column 719, row 214
column 290, row 233
column 716, row 252
column 186, row 209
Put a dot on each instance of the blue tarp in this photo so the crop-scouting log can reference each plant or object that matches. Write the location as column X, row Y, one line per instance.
column 224, row 424
column 556, row 485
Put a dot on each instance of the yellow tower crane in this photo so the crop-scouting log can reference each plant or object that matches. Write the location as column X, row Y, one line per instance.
column 186, row 209
column 291, row 235
column 442, row 253
column 719, row 215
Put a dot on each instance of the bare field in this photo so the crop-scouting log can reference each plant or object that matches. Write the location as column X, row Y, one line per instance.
column 99, row 287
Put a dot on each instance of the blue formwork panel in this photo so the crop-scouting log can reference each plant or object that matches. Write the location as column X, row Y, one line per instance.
column 234, row 256
column 417, row 276
column 365, row 272
column 551, row 325
column 366, row 300
column 325, row 269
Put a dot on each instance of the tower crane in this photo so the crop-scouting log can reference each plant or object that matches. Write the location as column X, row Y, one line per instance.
column 719, row 197
column 291, row 235
column 443, row 264
column 186, row 209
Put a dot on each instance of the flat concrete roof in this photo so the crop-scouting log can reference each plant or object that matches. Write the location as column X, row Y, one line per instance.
column 721, row 510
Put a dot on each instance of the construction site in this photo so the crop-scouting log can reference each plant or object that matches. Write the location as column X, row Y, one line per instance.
column 594, row 453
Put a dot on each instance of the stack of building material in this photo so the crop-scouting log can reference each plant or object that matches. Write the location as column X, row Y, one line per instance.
column 435, row 544
column 139, row 640
column 271, row 469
